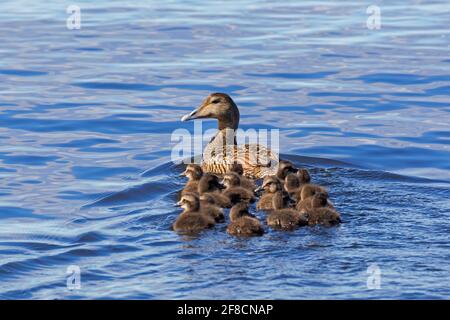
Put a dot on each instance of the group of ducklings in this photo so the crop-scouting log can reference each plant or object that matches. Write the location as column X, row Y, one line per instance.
column 288, row 198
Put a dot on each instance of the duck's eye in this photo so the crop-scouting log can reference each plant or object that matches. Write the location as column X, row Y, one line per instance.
column 215, row 101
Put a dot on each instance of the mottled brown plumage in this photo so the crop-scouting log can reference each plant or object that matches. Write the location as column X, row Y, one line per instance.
column 222, row 151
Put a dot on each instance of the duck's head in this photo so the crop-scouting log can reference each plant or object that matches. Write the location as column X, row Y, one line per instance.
column 189, row 202
column 231, row 179
column 270, row 184
column 209, row 183
column 239, row 210
column 217, row 106
column 304, row 176
column 291, row 182
column 193, row 172
column 284, row 168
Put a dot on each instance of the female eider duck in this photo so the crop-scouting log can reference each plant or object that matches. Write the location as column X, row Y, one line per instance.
column 192, row 219
column 243, row 223
column 222, row 151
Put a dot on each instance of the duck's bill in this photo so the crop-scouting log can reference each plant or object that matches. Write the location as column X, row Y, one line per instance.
column 190, row 116
column 259, row 189
column 178, row 204
column 183, row 174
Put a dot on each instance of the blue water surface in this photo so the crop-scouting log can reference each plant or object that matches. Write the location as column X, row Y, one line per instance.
column 86, row 118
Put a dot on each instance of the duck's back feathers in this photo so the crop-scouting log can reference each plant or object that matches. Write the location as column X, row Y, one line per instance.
column 212, row 211
column 323, row 216
column 239, row 194
column 245, row 226
column 192, row 222
column 286, row 219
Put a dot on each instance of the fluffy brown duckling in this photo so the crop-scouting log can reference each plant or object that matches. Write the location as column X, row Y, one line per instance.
column 194, row 173
column 294, row 182
column 243, row 223
column 234, row 191
column 246, row 183
column 309, row 190
column 210, row 184
column 209, row 207
column 192, row 219
column 284, row 168
column 317, row 200
column 323, row 216
column 272, row 187
column 284, row 218
column 319, row 212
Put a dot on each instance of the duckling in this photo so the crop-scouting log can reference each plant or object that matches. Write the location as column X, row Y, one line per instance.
column 319, row 212
column 193, row 172
column 284, row 218
column 323, row 216
column 317, row 200
column 191, row 220
column 243, row 223
column 246, row 183
column 309, row 190
column 284, row 168
column 295, row 181
column 257, row 160
column 234, row 191
column 209, row 207
column 209, row 183
column 272, row 187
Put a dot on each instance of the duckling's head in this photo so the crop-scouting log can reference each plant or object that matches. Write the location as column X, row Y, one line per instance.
column 218, row 106
column 271, row 184
column 284, row 168
column 193, row 172
column 319, row 200
column 291, row 181
column 189, row 202
column 303, row 176
column 231, row 179
column 237, row 167
column 239, row 210
column 209, row 183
